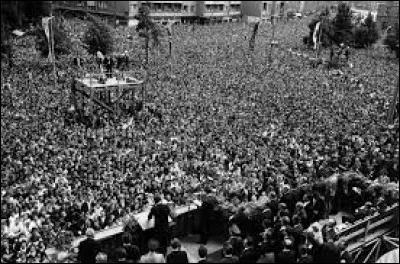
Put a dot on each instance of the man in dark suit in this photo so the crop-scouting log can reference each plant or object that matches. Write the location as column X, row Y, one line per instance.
column 177, row 255
column 89, row 248
column 160, row 212
column 206, row 215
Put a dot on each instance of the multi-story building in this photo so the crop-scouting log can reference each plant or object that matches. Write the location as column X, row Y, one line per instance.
column 265, row 10
column 108, row 11
column 186, row 11
column 218, row 10
column 180, row 11
column 388, row 14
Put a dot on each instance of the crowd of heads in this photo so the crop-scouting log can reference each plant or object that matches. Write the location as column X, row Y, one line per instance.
column 226, row 120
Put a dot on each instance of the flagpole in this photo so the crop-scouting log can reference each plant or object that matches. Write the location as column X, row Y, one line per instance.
column 392, row 108
column 272, row 40
column 52, row 45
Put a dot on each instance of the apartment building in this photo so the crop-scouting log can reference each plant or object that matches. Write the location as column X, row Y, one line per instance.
column 179, row 11
column 265, row 10
column 187, row 11
column 108, row 11
column 388, row 14
column 218, row 10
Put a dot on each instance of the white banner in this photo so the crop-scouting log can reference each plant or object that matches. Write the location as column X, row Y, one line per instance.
column 315, row 35
column 46, row 27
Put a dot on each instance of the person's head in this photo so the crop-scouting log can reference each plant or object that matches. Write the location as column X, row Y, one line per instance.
column 126, row 239
column 157, row 198
column 303, row 250
column 287, row 243
column 228, row 250
column 102, row 258
column 203, row 251
column 249, row 242
column 90, row 233
column 153, row 245
column 176, row 244
column 331, row 223
column 120, row 253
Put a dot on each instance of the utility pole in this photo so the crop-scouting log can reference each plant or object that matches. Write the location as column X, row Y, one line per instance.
column 115, row 14
column 392, row 108
column 212, row 15
column 229, row 10
column 272, row 39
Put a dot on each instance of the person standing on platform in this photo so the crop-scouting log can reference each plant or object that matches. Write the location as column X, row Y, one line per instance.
column 161, row 212
column 100, row 60
column 206, row 215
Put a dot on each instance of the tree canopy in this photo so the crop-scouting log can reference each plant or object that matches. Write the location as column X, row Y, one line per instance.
column 98, row 37
column 366, row 34
column 392, row 40
column 62, row 43
column 343, row 24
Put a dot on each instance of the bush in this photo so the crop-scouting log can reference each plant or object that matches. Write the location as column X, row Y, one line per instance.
column 392, row 40
column 62, row 43
column 98, row 37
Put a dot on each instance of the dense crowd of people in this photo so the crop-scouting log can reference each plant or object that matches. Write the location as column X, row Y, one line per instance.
column 217, row 120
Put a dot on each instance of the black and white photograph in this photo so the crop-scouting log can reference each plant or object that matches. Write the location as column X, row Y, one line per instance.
column 199, row 131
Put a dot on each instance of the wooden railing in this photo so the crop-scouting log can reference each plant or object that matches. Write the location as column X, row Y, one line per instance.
column 359, row 231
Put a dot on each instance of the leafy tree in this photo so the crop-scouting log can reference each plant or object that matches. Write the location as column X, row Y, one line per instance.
column 373, row 34
column 98, row 37
column 343, row 24
column 18, row 15
column 392, row 40
column 62, row 43
column 147, row 29
column 366, row 34
column 327, row 29
column 361, row 37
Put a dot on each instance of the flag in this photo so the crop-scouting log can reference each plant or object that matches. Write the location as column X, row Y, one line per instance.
column 253, row 37
column 46, row 27
column 169, row 30
column 315, row 34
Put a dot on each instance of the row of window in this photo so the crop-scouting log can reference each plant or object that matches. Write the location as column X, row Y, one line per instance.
column 170, row 7
column 91, row 5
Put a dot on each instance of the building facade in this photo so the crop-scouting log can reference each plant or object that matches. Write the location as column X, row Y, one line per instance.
column 187, row 11
column 388, row 14
column 108, row 11
column 218, row 10
column 265, row 10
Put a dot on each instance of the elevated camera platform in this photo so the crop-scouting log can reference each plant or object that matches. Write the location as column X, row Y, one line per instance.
column 107, row 91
